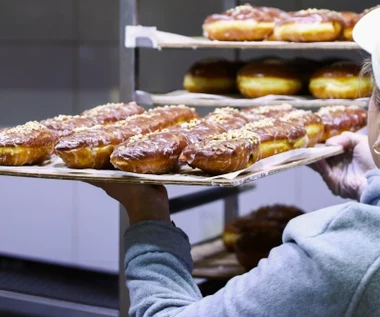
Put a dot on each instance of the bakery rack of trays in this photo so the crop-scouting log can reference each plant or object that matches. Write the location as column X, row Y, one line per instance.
column 137, row 36
column 134, row 37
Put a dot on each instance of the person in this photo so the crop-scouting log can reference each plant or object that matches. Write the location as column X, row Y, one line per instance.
column 328, row 264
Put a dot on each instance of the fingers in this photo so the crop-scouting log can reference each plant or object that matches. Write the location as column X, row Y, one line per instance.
column 322, row 167
column 348, row 140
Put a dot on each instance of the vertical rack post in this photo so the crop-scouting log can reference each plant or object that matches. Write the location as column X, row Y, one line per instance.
column 231, row 203
column 127, row 67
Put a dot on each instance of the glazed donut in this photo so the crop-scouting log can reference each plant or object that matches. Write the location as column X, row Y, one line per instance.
column 242, row 23
column 64, row 125
column 253, row 114
column 340, row 81
column 275, row 13
column 310, row 25
column 269, row 218
column 277, row 136
column 211, row 76
column 338, row 119
column 223, row 153
column 31, row 143
column 256, row 80
column 113, row 112
column 92, row 147
column 350, row 19
column 310, row 121
column 227, row 117
column 158, row 153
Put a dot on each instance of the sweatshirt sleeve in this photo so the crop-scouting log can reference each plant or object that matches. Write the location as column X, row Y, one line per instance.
column 291, row 282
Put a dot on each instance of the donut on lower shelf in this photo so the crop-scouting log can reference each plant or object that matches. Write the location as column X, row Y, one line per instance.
column 253, row 236
column 211, row 76
column 310, row 25
column 340, row 81
column 258, row 79
column 28, row 144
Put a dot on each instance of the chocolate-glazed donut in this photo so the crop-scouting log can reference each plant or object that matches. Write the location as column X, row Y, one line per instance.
column 213, row 76
column 340, row 81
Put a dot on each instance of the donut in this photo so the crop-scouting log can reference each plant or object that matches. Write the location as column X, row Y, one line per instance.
column 266, row 218
column 112, row 112
column 224, row 153
column 240, row 148
column 242, row 23
column 310, row 121
column 64, row 125
column 338, row 119
column 28, row 144
column 253, row 114
column 340, row 81
column 159, row 152
column 211, row 76
column 350, row 19
column 92, row 147
column 277, row 136
column 310, row 25
column 257, row 80
column 229, row 118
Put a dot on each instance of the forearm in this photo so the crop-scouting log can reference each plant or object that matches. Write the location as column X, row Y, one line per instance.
column 158, row 268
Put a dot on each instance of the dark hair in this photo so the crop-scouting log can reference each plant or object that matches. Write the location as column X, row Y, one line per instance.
column 367, row 70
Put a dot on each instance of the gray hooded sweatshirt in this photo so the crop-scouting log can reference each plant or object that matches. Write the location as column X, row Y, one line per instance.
column 327, row 266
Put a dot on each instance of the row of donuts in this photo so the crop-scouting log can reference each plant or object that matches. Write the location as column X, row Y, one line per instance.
column 225, row 140
column 164, row 139
column 328, row 79
column 255, row 23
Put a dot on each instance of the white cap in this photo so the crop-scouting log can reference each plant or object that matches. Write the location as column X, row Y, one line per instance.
column 365, row 34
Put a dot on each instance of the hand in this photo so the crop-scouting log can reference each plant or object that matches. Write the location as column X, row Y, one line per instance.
column 142, row 202
column 345, row 174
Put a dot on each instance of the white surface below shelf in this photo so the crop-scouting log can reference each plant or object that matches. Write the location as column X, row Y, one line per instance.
column 150, row 37
column 211, row 100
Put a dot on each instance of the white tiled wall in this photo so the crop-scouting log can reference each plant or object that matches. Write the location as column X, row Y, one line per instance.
column 61, row 56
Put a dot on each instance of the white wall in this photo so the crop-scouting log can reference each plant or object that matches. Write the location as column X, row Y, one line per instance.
column 59, row 56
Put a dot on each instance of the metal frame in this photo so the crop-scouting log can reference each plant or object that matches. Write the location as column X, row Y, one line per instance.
column 129, row 59
column 45, row 307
